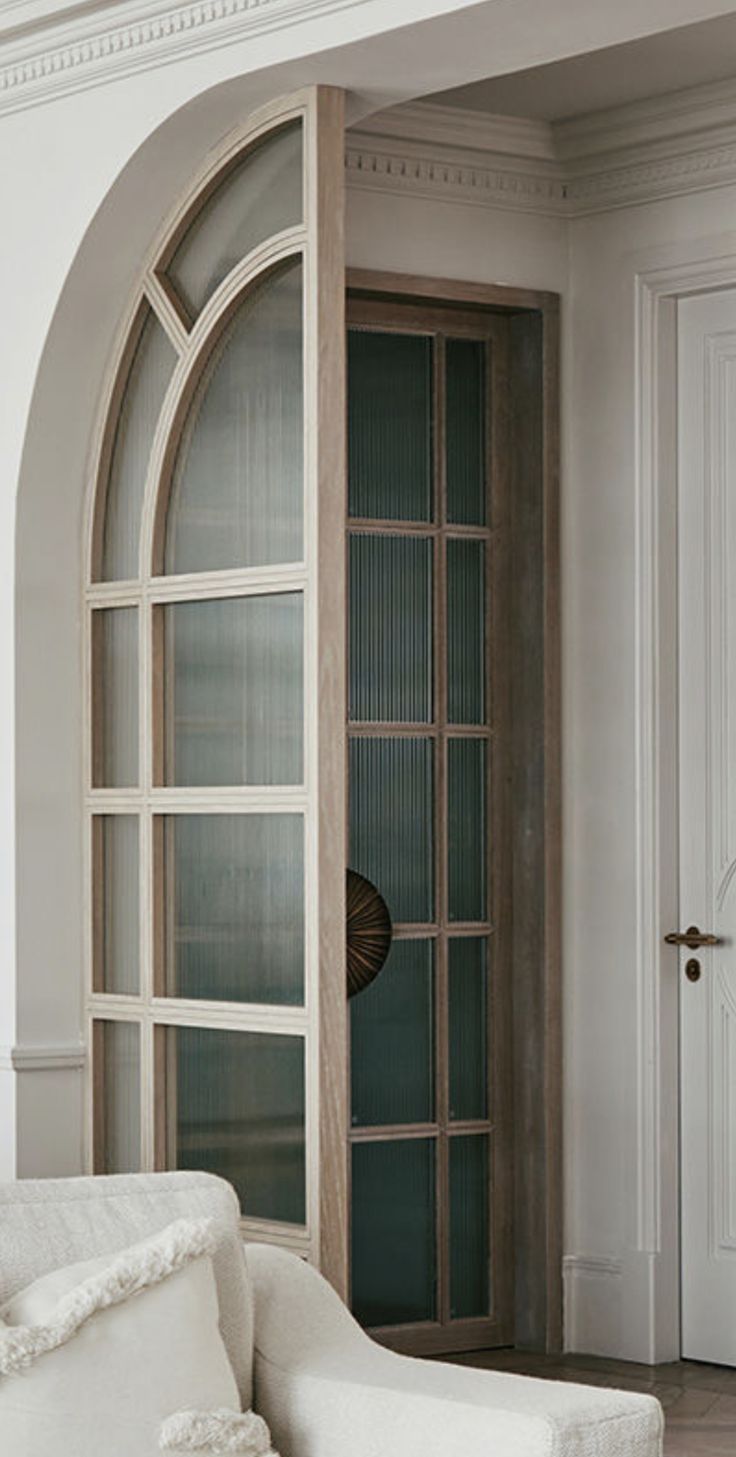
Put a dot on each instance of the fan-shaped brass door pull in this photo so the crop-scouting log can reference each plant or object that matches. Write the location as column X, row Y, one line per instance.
column 693, row 938
column 368, row 932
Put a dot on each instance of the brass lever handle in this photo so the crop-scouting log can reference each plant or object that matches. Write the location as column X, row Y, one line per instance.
column 693, row 938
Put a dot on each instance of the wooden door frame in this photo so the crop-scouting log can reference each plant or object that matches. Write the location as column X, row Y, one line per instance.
column 536, row 824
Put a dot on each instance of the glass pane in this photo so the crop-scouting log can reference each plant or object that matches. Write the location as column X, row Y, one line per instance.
column 466, row 829
column 466, row 639
column 116, row 924
column 236, row 496
column 149, row 378
column 470, row 1274
column 239, row 1112
column 392, row 1040
column 468, row 1029
column 393, row 1231
column 261, row 196
column 391, row 808
column 391, row 629
column 465, row 431
column 115, row 698
column 390, row 426
column 118, row 1044
column 234, row 693
column 232, row 903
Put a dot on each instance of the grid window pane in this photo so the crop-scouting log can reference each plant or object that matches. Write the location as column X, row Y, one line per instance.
column 466, row 634
column 466, row 829
column 237, row 1100
column 393, row 1231
column 391, row 832
column 117, row 1047
column 116, row 904
column 115, row 698
column 465, row 432
column 389, row 426
column 470, row 1276
column 468, row 1027
column 231, row 892
column 392, row 1025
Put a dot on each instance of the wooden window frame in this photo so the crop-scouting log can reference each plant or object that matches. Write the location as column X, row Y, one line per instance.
column 531, row 558
column 320, row 799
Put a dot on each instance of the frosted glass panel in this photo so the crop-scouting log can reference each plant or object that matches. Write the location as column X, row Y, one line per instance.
column 261, row 196
column 468, row 1020
column 393, row 1231
column 466, row 829
column 391, row 807
column 465, row 432
column 119, row 1141
column 149, row 378
column 234, row 887
column 466, row 645
column 470, row 1278
column 116, row 871
column 234, row 691
column 236, row 497
column 392, row 1039
column 390, row 426
column 391, row 629
column 239, row 1101
column 115, row 698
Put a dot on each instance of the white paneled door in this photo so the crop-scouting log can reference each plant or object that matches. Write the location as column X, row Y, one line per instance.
column 707, row 792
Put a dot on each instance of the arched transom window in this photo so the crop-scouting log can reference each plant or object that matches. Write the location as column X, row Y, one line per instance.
column 215, row 790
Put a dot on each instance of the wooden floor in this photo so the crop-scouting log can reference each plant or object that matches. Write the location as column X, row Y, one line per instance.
column 699, row 1401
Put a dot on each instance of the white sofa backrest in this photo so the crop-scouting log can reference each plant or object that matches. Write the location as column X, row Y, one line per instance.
column 46, row 1223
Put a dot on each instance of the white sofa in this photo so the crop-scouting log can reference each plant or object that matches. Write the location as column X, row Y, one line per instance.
column 323, row 1386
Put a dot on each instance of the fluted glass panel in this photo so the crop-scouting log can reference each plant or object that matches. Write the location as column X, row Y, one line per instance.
column 234, row 891
column 389, row 426
column 466, row 829
column 115, row 698
column 236, row 496
column 391, row 808
column 147, row 383
column 393, row 1231
column 466, row 638
column 119, row 1146
column 465, row 432
column 239, row 1107
column 392, row 1040
column 468, row 1027
column 390, row 629
column 234, row 691
column 116, row 874
column 470, row 1275
column 260, row 196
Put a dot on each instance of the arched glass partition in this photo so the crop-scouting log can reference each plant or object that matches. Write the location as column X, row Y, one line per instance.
column 215, row 788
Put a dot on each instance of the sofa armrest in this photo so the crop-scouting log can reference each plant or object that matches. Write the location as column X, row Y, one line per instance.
column 327, row 1390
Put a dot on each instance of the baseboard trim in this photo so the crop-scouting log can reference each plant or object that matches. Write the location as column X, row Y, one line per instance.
column 593, row 1290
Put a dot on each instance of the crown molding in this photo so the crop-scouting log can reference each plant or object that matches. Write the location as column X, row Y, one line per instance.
column 43, row 1057
column 80, row 46
column 668, row 147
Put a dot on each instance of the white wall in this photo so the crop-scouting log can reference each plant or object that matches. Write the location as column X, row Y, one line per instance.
column 85, row 183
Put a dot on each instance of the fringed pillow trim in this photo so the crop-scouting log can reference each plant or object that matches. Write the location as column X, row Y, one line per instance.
column 218, row 1431
column 129, row 1272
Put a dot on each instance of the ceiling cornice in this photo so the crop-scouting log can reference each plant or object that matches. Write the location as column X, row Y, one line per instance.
column 668, row 147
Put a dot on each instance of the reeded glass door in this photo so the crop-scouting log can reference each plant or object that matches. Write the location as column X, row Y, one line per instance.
column 430, row 1229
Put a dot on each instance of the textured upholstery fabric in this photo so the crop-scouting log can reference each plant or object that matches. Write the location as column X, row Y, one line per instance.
column 326, row 1390
column 46, row 1223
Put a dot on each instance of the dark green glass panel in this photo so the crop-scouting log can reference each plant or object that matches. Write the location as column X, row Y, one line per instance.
column 466, row 633
column 393, row 1231
column 239, row 1102
column 392, row 1039
column 465, row 432
column 236, row 893
column 391, row 805
column 468, row 1030
column 470, row 1275
column 390, row 629
column 233, row 711
column 466, row 829
column 389, row 426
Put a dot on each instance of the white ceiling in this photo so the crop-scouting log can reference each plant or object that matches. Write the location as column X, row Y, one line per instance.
column 692, row 55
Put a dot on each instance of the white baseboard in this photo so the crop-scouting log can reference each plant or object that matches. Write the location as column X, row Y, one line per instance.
column 592, row 1286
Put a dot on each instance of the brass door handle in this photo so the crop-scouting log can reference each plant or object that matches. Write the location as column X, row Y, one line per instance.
column 693, row 938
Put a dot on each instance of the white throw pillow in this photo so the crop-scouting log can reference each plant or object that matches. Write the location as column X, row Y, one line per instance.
column 95, row 1356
